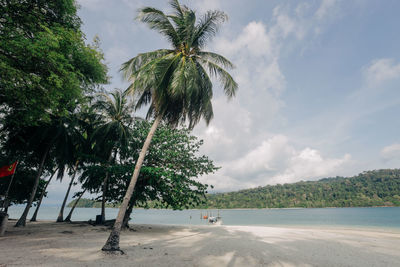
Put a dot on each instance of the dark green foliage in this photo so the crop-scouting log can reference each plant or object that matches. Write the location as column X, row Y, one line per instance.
column 371, row 188
column 46, row 72
column 45, row 65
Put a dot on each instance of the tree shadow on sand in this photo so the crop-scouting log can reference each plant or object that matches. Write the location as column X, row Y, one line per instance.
column 161, row 245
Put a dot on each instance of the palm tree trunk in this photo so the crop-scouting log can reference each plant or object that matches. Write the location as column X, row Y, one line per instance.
column 112, row 243
column 125, row 223
column 22, row 219
column 103, row 200
column 60, row 217
column 33, row 219
column 68, row 219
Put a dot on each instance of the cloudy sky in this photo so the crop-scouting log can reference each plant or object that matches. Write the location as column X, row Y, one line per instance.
column 318, row 85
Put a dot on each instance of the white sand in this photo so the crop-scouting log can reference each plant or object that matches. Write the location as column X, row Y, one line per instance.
column 55, row 244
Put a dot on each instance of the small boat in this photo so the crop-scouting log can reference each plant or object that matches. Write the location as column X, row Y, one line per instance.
column 215, row 220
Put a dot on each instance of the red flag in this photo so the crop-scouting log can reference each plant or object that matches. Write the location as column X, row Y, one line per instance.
column 8, row 170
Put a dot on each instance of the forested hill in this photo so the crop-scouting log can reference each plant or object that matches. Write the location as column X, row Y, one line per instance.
column 372, row 188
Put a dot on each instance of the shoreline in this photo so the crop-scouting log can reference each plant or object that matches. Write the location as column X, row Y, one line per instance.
column 382, row 229
column 46, row 243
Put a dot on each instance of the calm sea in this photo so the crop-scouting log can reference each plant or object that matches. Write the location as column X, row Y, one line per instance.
column 385, row 217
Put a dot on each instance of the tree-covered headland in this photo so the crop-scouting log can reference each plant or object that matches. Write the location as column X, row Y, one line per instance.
column 370, row 188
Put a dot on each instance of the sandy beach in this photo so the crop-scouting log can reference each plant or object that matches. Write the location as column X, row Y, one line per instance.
column 64, row 244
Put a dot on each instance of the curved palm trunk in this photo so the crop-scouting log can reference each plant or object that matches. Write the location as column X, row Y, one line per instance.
column 33, row 219
column 112, row 243
column 105, row 182
column 22, row 219
column 68, row 219
column 60, row 217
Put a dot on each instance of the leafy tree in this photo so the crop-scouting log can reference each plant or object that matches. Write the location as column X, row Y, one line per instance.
column 174, row 82
column 45, row 64
column 46, row 70
column 35, row 142
column 168, row 178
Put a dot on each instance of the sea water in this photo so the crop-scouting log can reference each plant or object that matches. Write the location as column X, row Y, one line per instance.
column 380, row 217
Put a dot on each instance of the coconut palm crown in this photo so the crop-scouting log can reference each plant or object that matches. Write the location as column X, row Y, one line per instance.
column 115, row 116
column 177, row 82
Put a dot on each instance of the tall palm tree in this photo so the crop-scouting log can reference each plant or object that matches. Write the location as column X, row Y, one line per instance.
column 174, row 82
column 113, row 132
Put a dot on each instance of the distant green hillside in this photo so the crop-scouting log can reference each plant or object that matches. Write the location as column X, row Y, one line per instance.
column 88, row 203
column 372, row 188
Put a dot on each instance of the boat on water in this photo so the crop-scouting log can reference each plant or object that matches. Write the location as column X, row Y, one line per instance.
column 215, row 220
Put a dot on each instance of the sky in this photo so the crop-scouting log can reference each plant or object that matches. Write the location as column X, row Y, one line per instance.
column 318, row 85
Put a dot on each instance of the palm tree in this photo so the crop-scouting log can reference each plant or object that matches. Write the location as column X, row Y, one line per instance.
column 39, row 141
column 68, row 148
column 73, row 171
column 174, row 82
column 68, row 218
column 33, row 219
column 113, row 132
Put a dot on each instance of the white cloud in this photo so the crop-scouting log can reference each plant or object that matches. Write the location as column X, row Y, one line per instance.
column 381, row 70
column 274, row 161
column 391, row 152
column 239, row 138
column 253, row 39
column 308, row 164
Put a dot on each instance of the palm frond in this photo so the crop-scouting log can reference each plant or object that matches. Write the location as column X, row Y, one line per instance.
column 157, row 20
column 207, row 27
column 229, row 84
column 216, row 59
column 178, row 84
column 134, row 64
column 176, row 6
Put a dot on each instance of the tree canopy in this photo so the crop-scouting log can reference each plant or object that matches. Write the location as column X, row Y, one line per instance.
column 45, row 64
column 47, row 71
column 169, row 176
